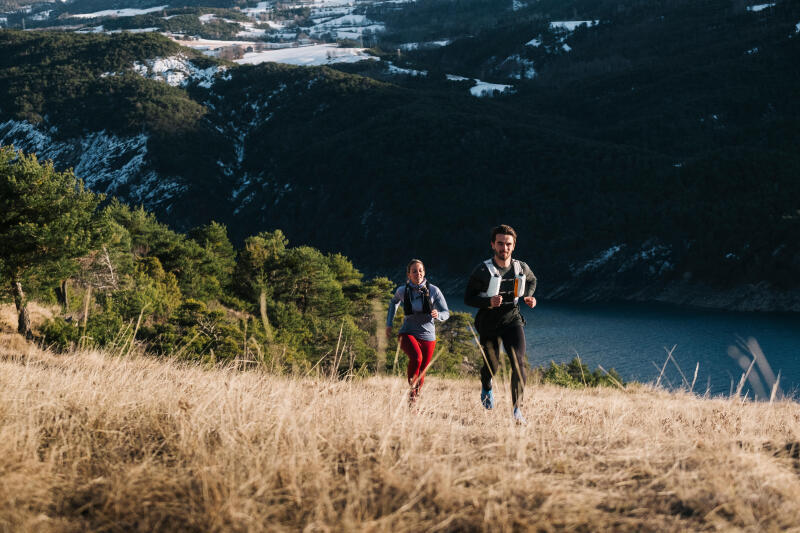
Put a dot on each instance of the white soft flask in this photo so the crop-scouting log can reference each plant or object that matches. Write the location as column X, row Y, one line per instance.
column 494, row 286
column 519, row 285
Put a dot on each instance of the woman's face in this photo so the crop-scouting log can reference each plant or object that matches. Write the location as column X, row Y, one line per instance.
column 416, row 273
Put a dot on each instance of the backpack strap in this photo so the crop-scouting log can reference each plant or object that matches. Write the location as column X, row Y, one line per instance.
column 493, row 289
column 427, row 304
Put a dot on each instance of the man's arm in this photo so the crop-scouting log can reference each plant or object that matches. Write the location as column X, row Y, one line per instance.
column 530, row 280
column 477, row 283
column 530, row 286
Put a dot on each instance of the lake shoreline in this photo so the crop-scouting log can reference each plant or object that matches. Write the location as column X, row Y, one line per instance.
column 759, row 297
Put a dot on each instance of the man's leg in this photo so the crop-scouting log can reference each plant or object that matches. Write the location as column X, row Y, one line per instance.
column 490, row 347
column 514, row 344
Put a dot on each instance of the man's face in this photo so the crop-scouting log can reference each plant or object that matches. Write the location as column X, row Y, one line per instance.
column 503, row 245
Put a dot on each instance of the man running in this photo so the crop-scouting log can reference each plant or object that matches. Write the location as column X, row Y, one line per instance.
column 495, row 288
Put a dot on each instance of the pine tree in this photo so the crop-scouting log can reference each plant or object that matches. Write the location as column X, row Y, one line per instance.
column 47, row 219
column 256, row 267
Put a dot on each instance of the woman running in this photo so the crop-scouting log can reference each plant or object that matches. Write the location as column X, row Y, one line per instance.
column 422, row 304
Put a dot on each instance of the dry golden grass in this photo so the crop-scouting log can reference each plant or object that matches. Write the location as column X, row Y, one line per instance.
column 39, row 313
column 89, row 442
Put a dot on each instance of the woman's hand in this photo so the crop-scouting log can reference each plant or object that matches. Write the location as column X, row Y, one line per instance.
column 434, row 314
column 388, row 332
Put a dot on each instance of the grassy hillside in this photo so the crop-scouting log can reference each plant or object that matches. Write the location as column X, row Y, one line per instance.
column 91, row 442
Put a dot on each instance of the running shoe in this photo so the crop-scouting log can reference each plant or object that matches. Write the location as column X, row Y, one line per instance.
column 518, row 418
column 487, row 398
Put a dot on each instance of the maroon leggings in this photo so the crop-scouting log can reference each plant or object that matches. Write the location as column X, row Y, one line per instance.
column 419, row 357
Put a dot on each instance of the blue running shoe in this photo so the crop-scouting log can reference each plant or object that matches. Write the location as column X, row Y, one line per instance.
column 487, row 398
column 518, row 418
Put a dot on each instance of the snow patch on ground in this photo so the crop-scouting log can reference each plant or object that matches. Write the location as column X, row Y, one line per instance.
column 27, row 137
column 570, row 25
column 42, row 15
column 759, row 7
column 655, row 256
column 105, row 161
column 323, row 54
column 407, row 71
column 601, row 259
column 516, row 5
column 752, row 51
column 521, row 67
column 797, row 28
column 261, row 7
column 536, row 43
column 108, row 161
column 427, row 44
column 347, row 20
column 250, row 30
column 483, row 88
column 136, row 30
column 176, row 71
column 95, row 29
column 119, row 12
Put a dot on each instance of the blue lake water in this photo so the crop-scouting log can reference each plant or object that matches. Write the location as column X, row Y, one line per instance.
column 632, row 337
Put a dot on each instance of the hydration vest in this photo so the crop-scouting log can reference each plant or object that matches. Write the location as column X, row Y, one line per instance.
column 427, row 305
column 495, row 279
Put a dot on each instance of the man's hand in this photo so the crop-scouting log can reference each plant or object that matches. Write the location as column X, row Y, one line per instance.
column 530, row 301
column 495, row 301
column 434, row 314
column 388, row 332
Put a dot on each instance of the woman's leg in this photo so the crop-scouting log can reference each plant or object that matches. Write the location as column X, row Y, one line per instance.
column 427, row 353
column 412, row 349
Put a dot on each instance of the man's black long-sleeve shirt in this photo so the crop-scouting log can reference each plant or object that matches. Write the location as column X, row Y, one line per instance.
column 490, row 320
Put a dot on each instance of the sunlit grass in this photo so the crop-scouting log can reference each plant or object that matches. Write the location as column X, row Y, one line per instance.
column 101, row 443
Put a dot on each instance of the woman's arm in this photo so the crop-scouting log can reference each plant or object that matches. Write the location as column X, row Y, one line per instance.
column 393, row 304
column 440, row 304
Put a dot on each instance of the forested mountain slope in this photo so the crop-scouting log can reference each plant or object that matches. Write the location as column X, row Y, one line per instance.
column 655, row 153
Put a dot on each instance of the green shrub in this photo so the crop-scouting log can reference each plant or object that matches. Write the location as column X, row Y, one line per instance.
column 576, row 374
column 60, row 334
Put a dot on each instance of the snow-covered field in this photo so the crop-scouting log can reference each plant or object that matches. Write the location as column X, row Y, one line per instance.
column 484, row 88
column 321, row 54
column 128, row 12
column 481, row 88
